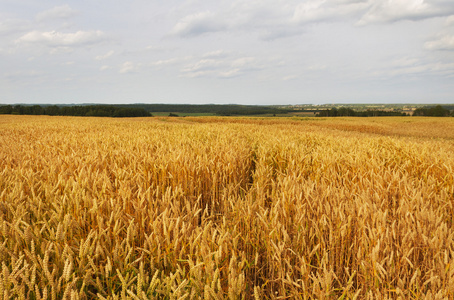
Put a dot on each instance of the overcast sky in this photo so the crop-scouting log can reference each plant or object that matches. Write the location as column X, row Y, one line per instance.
column 247, row 52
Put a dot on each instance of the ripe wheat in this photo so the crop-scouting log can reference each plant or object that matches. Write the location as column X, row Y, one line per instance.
column 223, row 208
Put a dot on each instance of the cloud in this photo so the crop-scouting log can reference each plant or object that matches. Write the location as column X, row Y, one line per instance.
column 289, row 77
column 20, row 75
column 60, row 39
column 370, row 11
column 445, row 42
column 322, row 10
column 396, row 10
column 405, row 62
column 272, row 20
column 244, row 62
column 216, row 54
column 412, row 67
column 219, row 64
column 434, row 68
column 12, row 26
column 166, row 62
column 105, row 56
column 317, row 67
column 58, row 12
column 203, row 65
column 129, row 67
column 450, row 20
column 105, row 67
column 198, row 24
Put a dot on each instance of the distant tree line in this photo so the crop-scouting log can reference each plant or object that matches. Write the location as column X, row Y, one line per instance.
column 434, row 111
column 216, row 109
column 348, row 112
column 138, row 110
column 76, row 110
column 146, row 110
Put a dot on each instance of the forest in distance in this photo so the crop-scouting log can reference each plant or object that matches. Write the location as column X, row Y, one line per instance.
column 175, row 110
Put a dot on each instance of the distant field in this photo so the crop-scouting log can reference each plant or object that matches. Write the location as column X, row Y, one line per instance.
column 226, row 208
column 166, row 114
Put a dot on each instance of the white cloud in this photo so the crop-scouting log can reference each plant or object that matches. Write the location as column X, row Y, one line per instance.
column 219, row 64
column 323, row 10
column 216, row 54
column 58, row 12
column 310, row 11
column 60, row 39
column 413, row 67
column 105, row 56
column 317, row 67
column 449, row 20
column 289, row 77
column 166, row 62
column 197, row 24
column 435, row 68
column 230, row 73
column 405, row 62
column 244, row 62
column 203, row 65
column 129, row 67
column 445, row 42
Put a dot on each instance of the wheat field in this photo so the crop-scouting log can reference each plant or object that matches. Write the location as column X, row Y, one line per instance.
column 226, row 208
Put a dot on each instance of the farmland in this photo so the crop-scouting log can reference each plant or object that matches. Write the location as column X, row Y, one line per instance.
column 226, row 208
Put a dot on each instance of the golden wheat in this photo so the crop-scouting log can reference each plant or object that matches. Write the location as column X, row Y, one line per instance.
column 226, row 208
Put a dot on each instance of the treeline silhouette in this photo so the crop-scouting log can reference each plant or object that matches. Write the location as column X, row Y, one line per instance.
column 138, row 110
column 146, row 110
column 434, row 111
column 216, row 109
column 348, row 112
column 76, row 110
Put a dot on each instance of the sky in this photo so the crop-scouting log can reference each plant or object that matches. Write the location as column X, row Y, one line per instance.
column 258, row 52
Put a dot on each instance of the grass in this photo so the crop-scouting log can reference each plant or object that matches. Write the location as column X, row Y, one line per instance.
column 226, row 208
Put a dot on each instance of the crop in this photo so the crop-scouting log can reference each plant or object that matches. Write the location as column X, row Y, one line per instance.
column 226, row 208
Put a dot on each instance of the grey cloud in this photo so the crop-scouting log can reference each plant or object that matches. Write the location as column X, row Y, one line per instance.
column 270, row 19
column 370, row 11
column 393, row 11
column 197, row 24
column 279, row 32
